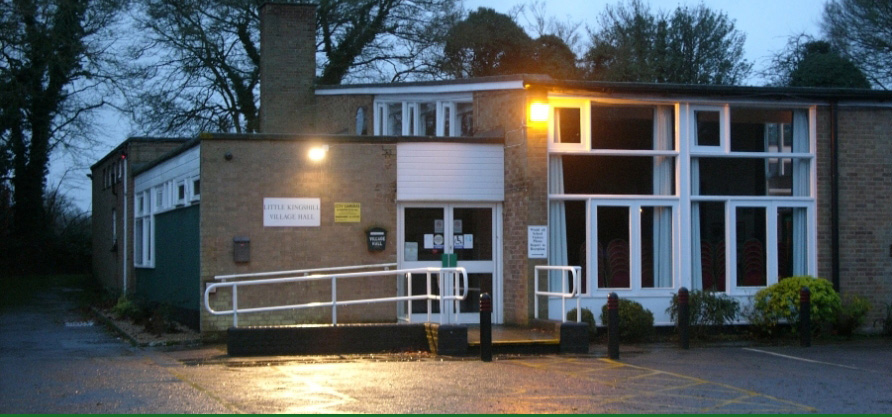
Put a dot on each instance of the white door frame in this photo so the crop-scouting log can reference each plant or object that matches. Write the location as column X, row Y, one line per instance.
column 496, row 263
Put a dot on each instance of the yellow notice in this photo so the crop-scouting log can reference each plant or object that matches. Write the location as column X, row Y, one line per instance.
column 347, row 212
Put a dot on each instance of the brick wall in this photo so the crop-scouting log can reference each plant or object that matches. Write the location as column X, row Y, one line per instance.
column 232, row 205
column 337, row 114
column 865, row 203
column 287, row 67
column 525, row 191
column 107, row 264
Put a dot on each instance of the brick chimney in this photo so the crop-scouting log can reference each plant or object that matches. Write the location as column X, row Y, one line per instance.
column 287, row 67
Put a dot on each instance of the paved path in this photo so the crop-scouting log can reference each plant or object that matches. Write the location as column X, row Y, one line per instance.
column 53, row 361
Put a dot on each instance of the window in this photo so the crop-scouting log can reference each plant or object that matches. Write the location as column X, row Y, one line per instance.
column 614, row 200
column 424, row 118
column 621, row 176
column 142, row 231
column 752, row 201
column 159, row 198
column 394, row 123
column 196, row 189
column 567, row 125
column 181, row 192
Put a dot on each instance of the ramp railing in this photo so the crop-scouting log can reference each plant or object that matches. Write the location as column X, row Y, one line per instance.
column 453, row 283
column 566, row 291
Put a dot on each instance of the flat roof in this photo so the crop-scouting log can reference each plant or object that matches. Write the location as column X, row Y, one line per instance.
column 525, row 81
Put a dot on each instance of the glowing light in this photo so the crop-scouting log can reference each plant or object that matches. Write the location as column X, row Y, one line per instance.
column 539, row 112
column 317, row 153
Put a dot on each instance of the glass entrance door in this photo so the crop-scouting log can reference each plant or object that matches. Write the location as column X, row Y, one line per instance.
column 469, row 232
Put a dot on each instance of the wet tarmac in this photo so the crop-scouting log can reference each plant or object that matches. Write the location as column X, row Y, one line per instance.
column 55, row 360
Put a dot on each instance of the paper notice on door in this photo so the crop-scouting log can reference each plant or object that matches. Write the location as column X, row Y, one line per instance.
column 469, row 241
column 410, row 252
column 429, row 241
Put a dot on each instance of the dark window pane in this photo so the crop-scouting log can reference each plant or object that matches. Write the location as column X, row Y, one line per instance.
column 568, row 125
column 708, row 132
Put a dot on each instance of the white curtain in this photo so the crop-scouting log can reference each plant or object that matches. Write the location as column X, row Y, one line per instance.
column 696, row 255
column 800, row 189
column 662, row 180
column 557, row 222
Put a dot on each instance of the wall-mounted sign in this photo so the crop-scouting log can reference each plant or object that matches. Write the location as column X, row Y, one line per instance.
column 291, row 212
column 347, row 212
column 537, row 242
column 377, row 239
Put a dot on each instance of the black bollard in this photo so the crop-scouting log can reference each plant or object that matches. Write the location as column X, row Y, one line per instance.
column 684, row 318
column 805, row 317
column 613, row 326
column 485, row 327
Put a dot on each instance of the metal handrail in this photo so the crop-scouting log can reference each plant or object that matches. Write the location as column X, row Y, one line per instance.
column 454, row 292
column 575, row 292
column 305, row 272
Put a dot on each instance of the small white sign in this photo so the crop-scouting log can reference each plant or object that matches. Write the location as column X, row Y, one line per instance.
column 291, row 212
column 410, row 254
column 537, row 242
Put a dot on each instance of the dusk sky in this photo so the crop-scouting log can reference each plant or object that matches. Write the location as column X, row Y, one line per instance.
column 767, row 25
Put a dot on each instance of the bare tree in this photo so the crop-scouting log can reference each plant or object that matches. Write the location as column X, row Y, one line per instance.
column 57, row 68
column 201, row 70
column 861, row 30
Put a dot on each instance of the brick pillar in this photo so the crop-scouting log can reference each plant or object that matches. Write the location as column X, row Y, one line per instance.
column 287, row 67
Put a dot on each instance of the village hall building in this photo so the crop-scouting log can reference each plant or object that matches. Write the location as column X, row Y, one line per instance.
column 647, row 187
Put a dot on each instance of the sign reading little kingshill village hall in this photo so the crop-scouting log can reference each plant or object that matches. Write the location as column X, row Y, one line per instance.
column 291, row 212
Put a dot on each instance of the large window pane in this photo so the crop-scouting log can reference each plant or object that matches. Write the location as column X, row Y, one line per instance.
column 711, row 245
column 394, row 119
column 708, row 132
column 751, row 247
column 613, row 247
column 472, row 234
column 656, row 247
column 577, row 252
column 427, row 115
column 761, row 130
column 622, row 175
column 792, row 241
column 424, row 234
column 632, row 127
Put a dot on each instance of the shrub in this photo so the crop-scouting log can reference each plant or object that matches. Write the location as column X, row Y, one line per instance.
column 127, row 309
column 635, row 322
column 851, row 314
column 779, row 304
column 708, row 309
column 587, row 317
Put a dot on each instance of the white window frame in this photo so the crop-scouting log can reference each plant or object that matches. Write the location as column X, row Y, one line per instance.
column 411, row 123
column 181, row 200
column 144, row 239
column 685, row 152
column 585, row 130
column 634, row 205
column 193, row 195
column 724, row 146
column 771, row 207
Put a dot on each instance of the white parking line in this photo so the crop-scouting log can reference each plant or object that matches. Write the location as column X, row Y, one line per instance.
column 801, row 359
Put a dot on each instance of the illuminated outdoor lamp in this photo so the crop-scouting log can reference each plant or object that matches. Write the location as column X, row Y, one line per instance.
column 539, row 112
column 317, row 153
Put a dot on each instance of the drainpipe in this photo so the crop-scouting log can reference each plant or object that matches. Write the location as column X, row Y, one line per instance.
column 126, row 238
column 834, row 193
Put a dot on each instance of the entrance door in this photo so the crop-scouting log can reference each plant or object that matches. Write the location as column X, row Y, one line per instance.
column 468, row 231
